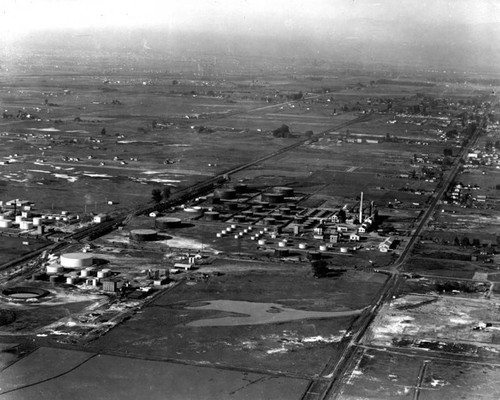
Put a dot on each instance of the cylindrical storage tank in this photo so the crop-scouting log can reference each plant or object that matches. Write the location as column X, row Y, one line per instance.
column 314, row 255
column 2, row 217
column 231, row 206
column 285, row 211
column 302, row 246
column 252, row 237
column 25, row 225
column 233, row 226
column 322, row 247
column 211, row 215
column 241, row 188
column 54, row 269
column 84, row 273
column 101, row 274
column 56, row 278
column 281, row 252
column 19, row 219
column 5, row 223
column 236, row 236
column 76, row 260
column 257, row 208
column 273, row 198
column 37, row 221
column 282, row 244
column 71, row 280
column 219, row 234
column 284, row 190
column 239, row 218
column 343, row 249
column 143, row 235
column 269, row 221
column 225, row 194
column 262, row 242
column 167, row 223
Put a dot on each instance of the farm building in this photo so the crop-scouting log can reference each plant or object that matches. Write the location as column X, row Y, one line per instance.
column 386, row 245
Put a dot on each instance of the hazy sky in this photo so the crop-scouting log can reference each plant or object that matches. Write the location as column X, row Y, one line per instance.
column 19, row 17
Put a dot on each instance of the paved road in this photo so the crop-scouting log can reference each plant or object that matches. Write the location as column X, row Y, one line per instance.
column 318, row 389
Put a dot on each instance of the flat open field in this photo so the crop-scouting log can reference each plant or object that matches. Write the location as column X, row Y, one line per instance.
column 80, row 375
column 170, row 327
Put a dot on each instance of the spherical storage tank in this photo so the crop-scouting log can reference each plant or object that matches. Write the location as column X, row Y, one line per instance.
column 143, row 235
column 167, row 222
column 76, row 260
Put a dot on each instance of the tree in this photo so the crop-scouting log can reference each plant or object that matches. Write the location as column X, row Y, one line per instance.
column 103, row 131
column 448, row 151
column 165, row 193
column 342, row 215
column 282, row 131
column 156, row 195
column 465, row 241
column 319, row 269
column 457, row 241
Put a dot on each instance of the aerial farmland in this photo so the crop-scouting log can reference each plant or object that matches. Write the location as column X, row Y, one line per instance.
column 200, row 223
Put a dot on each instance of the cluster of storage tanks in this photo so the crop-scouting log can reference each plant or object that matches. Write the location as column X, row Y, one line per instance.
column 25, row 221
column 84, row 263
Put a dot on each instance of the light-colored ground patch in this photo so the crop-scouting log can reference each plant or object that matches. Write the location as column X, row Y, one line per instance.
column 259, row 313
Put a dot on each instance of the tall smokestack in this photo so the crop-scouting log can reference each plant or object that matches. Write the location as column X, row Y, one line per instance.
column 361, row 209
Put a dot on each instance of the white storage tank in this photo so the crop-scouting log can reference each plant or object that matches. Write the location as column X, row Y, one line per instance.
column 19, row 219
column 26, row 225
column 5, row 223
column 76, row 260
column 54, row 269
column 37, row 221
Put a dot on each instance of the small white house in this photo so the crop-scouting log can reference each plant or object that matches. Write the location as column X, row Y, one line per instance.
column 100, row 218
column 354, row 237
column 386, row 245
